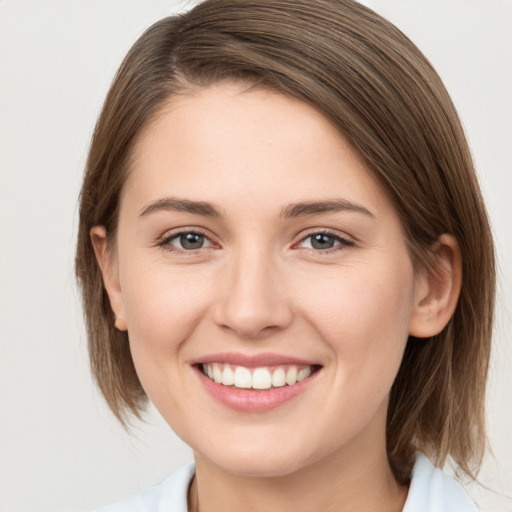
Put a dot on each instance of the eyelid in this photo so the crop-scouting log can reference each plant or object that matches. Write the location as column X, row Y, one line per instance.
column 163, row 240
column 344, row 239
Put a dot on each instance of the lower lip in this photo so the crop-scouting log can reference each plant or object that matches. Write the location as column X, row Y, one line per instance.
column 249, row 400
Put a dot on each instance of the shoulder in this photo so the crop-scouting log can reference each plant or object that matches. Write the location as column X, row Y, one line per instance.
column 169, row 496
column 432, row 490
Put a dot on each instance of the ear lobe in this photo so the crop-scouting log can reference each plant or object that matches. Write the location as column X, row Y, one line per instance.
column 438, row 289
column 108, row 269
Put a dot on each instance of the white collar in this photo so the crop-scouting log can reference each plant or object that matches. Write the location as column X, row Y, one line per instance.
column 431, row 490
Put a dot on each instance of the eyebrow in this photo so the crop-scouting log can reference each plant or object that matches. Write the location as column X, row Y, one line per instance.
column 304, row 209
column 180, row 205
column 294, row 210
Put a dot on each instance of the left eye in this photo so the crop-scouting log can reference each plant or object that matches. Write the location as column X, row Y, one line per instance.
column 323, row 241
column 188, row 241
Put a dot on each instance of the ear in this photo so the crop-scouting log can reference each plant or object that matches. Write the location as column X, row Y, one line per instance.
column 109, row 271
column 437, row 289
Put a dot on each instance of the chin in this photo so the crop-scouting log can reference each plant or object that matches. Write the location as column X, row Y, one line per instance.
column 255, row 460
column 256, row 467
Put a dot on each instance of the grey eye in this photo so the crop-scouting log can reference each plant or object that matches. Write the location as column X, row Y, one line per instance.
column 190, row 241
column 322, row 241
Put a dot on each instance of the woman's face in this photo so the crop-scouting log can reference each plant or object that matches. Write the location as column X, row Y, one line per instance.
column 253, row 244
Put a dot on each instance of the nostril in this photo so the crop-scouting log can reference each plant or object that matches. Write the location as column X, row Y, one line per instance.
column 253, row 322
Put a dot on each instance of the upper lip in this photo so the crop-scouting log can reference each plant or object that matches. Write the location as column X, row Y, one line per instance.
column 251, row 361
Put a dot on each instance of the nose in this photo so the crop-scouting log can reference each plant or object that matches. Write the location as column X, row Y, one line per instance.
column 253, row 301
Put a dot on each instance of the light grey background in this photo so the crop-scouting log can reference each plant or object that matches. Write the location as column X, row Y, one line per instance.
column 60, row 450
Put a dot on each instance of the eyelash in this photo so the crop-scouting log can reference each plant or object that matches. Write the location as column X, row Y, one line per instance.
column 165, row 241
column 342, row 242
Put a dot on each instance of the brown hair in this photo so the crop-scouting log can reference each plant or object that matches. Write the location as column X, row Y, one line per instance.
column 373, row 83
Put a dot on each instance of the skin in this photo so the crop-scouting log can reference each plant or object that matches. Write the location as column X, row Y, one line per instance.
column 258, row 286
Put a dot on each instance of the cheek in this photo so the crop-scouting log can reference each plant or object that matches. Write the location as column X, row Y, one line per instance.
column 164, row 307
column 364, row 318
column 163, row 304
column 364, row 321
column 371, row 301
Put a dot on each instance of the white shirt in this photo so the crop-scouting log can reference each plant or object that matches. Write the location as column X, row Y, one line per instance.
column 431, row 490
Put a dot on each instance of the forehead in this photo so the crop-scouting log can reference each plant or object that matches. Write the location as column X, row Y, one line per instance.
column 226, row 142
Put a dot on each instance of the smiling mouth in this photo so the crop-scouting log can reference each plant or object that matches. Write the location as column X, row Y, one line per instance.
column 258, row 378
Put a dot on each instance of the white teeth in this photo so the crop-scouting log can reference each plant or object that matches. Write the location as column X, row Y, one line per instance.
column 228, row 377
column 303, row 373
column 242, row 378
column 217, row 373
column 278, row 378
column 257, row 378
column 261, row 379
column 291, row 376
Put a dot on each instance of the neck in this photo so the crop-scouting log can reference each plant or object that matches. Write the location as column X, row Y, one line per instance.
column 348, row 482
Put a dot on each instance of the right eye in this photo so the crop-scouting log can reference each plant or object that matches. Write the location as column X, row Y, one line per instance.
column 185, row 241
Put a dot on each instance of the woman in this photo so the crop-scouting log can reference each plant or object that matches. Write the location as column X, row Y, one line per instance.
column 283, row 245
